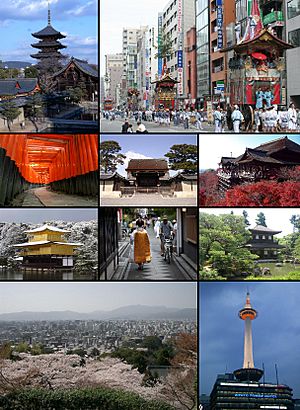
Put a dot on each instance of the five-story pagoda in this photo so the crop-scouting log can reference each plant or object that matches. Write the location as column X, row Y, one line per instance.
column 49, row 45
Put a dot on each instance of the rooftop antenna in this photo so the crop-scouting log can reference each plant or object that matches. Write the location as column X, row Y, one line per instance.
column 49, row 14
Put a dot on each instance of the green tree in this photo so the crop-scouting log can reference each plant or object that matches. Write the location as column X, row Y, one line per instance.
column 9, row 112
column 22, row 347
column 222, row 245
column 152, row 343
column 110, row 156
column 164, row 47
column 295, row 221
column 261, row 219
column 76, row 94
column 245, row 215
column 35, row 109
column 183, row 157
column 31, row 72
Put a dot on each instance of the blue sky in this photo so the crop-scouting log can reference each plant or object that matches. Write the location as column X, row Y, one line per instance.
column 276, row 331
column 214, row 146
column 147, row 146
column 41, row 215
column 75, row 18
column 88, row 297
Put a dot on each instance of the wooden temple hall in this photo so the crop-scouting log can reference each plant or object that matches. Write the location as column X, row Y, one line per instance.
column 67, row 163
column 267, row 161
column 148, row 176
column 47, row 248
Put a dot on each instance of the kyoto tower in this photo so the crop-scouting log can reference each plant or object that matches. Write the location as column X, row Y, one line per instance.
column 248, row 371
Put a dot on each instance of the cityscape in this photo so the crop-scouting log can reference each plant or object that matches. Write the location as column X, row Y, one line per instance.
column 200, row 66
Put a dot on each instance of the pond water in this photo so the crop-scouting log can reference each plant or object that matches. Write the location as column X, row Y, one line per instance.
column 280, row 270
column 59, row 275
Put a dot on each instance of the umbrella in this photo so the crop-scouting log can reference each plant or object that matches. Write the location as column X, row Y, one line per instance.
column 259, row 56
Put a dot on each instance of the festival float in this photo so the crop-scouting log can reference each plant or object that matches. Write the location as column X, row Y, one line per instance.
column 257, row 77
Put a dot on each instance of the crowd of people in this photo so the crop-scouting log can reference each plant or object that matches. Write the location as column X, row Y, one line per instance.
column 269, row 119
column 139, row 238
column 266, row 119
column 187, row 118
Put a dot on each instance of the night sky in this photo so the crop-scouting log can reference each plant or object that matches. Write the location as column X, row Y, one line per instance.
column 276, row 330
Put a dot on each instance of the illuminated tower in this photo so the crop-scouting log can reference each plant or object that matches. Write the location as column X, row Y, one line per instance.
column 248, row 372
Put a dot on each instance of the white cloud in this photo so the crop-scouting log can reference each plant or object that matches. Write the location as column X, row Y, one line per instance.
column 129, row 155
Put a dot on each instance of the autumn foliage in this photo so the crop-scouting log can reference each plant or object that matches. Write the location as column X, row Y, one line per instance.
column 263, row 193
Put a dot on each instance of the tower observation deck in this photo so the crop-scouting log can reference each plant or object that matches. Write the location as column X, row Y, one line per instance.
column 248, row 372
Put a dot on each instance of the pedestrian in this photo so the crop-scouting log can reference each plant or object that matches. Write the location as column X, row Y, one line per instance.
column 140, row 239
column 292, row 116
column 166, row 232
column 130, row 129
column 125, row 126
column 141, row 129
column 157, row 226
column 218, row 120
column 186, row 118
column 237, row 118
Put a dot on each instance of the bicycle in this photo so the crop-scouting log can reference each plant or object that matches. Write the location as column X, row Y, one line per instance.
column 168, row 249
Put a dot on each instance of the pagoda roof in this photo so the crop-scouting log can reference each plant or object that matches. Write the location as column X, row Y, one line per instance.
column 48, row 31
column 17, row 86
column 147, row 164
column 42, row 54
column 40, row 243
column 262, row 42
column 47, row 227
column 261, row 228
column 264, row 245
column 82, row 65
column 226, row 160
column 181, row 175
column 53, row 43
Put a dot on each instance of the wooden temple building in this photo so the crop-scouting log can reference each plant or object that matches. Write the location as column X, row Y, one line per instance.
column 47, row 248
column 266, row 161
column 148, row 176
column 77, row 73
column 263, row 243
column 49, row 56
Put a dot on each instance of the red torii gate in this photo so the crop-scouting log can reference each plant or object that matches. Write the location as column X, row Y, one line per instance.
column 47, row 159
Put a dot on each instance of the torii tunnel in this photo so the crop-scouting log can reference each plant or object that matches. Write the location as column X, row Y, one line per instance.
column 68, row 163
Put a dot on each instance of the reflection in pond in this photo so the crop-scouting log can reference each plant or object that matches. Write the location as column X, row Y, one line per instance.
column 45, row 275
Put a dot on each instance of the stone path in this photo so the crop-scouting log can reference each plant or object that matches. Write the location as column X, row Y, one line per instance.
column 45, row 197
column 157, row 269
column 148, row 200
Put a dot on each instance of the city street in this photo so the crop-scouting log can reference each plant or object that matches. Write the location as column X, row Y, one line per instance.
column 157, row 269
column 116, row 126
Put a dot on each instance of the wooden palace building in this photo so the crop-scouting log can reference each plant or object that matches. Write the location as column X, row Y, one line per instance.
column 47, row 248
column 148, row 176
column 263, row 243
column 267, row 161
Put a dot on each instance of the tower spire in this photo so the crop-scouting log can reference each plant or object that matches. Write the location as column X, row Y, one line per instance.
column 49, row 14
column 247, row 313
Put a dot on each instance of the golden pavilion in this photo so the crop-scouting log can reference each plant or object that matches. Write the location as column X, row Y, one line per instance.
column 47, row 248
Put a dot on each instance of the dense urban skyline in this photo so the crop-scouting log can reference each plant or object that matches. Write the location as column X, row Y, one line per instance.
column 275, row 332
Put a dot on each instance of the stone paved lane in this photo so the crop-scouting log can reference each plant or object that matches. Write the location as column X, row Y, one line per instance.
column 45, row 197
column 157, row 269
column 148, row 200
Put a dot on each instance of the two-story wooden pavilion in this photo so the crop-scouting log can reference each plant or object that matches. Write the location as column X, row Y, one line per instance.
column 47, row 248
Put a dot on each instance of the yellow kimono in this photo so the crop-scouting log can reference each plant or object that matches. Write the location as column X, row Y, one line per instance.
column 142, row 251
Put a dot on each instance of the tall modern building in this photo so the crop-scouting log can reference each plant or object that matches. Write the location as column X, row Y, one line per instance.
column 222, row 21
column 243, row 389
column 178, row 17
column 292, row 12
column 203, row 55
column 113, row 76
